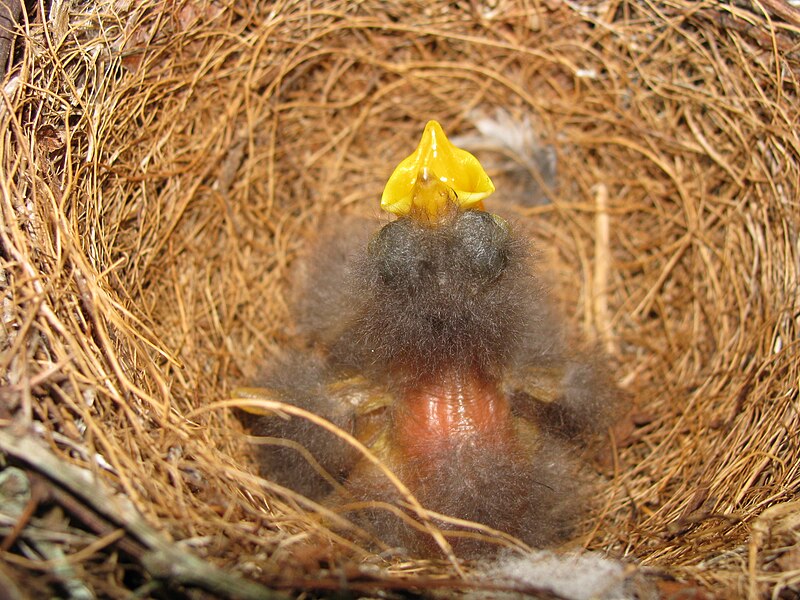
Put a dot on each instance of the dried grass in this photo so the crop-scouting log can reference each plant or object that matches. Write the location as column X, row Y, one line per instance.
column 165, row 161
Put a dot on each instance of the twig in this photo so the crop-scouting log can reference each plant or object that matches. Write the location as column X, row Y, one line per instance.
column 163, row 560
column 93, row 521
column 37, row 495
column 10, row 11
column 782, row 9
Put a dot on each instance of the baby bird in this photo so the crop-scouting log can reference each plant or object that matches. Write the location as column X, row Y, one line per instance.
column 432, row 344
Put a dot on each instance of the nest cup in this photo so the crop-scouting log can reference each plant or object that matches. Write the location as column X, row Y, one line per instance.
column 165, row 163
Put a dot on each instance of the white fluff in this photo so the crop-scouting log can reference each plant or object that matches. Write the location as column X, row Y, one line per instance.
column 501, row 131
column 518, row 151
column 587, row 576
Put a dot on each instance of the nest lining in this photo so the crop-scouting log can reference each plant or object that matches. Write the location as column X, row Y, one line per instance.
column 164, row 165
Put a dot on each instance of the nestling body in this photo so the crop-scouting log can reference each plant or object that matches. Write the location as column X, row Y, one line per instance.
column 431, row 343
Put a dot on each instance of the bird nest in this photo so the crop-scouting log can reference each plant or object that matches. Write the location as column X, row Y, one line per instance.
column 164, row 163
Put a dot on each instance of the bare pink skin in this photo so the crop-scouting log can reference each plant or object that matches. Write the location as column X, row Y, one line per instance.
column 458, row 408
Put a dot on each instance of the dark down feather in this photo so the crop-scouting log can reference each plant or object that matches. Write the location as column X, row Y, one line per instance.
column 433, row 344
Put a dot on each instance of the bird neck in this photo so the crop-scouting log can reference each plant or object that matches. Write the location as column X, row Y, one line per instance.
column 450, row 410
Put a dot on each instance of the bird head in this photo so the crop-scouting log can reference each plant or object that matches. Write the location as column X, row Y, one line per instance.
column 442, row 287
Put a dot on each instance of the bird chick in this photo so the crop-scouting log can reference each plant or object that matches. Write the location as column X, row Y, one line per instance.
column 431, row 343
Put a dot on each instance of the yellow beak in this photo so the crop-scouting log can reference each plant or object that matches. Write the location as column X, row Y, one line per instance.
column 434, row 176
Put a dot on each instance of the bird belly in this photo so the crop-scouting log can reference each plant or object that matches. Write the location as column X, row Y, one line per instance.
column 455, row 410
